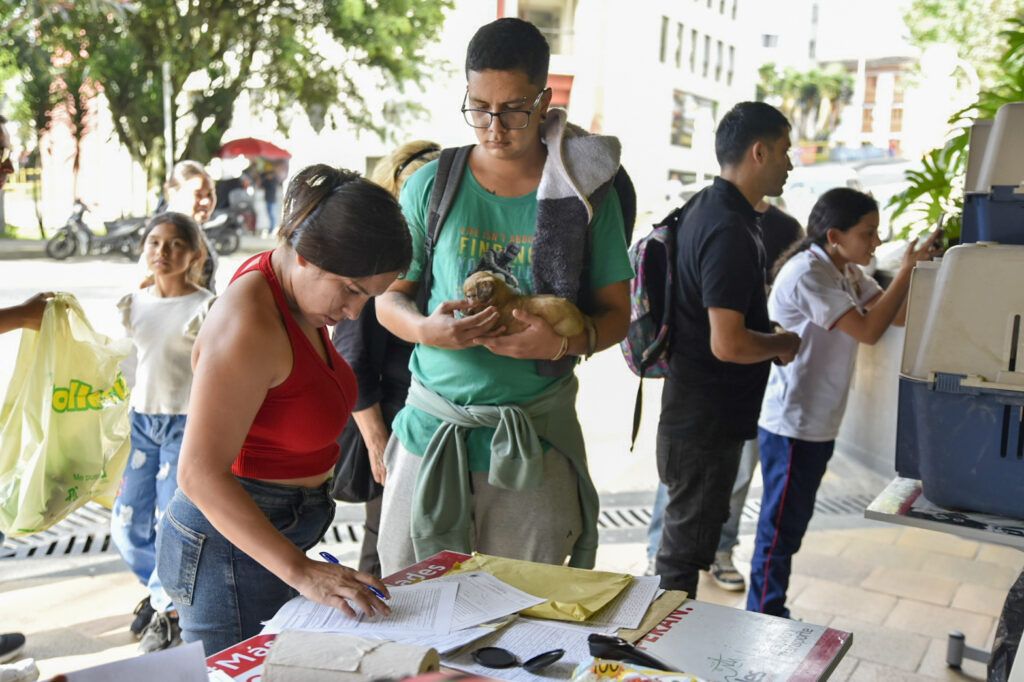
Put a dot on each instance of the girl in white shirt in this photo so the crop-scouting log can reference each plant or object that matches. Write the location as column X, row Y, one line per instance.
column 162, row 321
column 820, row 293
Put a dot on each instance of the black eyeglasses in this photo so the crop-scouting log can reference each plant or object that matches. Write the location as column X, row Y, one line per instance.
column 496, row 657
column 513, row 119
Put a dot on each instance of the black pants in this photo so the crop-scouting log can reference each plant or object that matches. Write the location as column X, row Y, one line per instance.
column 699, row 477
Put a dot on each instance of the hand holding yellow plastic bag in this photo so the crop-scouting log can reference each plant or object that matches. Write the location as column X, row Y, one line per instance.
column 64, row 422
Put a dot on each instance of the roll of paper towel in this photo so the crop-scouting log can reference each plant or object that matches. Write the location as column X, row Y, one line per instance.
column 298, row 656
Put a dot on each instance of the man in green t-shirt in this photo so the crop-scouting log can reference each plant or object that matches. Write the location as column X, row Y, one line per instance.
column 488, row 454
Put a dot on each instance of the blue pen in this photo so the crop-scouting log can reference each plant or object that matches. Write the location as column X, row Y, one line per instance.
column 334, row 560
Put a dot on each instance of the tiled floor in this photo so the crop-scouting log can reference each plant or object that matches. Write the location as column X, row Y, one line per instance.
column 898, row 590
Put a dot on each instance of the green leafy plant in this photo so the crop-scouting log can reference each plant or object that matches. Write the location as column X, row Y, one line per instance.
column 938, row 187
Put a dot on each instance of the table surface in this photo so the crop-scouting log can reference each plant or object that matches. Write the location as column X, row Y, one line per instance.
column 903, row 503
column 716, row 639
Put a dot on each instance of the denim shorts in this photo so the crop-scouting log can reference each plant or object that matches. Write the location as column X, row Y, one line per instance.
column 221, row 594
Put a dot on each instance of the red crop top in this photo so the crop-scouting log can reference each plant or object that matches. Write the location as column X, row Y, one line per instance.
column 295, row 431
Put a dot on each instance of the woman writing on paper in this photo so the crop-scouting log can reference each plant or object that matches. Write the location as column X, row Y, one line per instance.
column 270, row 397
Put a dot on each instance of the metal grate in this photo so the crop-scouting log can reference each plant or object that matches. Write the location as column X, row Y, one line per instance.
column 87, row 531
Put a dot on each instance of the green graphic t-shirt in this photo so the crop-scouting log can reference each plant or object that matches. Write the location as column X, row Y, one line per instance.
column 479, row 222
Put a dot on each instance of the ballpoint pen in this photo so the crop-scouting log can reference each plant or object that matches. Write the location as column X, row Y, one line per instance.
column 334, row 560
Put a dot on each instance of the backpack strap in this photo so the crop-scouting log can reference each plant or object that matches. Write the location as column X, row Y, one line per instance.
column 450, row 167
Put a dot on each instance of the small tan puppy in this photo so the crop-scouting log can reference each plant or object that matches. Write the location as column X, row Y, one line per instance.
column 484, row 289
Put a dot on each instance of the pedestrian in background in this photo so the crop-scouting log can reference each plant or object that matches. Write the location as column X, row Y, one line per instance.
column 162, row 321
column 271, row 184
column 189, row 191
column 380, row 361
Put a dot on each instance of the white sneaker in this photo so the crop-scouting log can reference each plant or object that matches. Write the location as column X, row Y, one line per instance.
column 24, row 670
column 725, row 575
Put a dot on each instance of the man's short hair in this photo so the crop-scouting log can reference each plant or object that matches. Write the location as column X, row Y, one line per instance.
column 2, row 120
column 745, row 124
column 510, row 44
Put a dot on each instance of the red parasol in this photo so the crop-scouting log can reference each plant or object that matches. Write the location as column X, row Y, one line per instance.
column 250, row 147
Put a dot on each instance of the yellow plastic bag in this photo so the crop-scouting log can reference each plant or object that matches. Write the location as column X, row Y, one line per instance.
column 64, row 422
column 573, row 594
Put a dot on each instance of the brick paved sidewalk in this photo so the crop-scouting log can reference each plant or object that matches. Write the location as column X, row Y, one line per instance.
column 898, row 590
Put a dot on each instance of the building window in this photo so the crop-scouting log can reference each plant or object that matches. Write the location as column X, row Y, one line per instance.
column 707, row 57
column 721, row 6
column 769, row 40
column 679, row 45
column 814, row 14
column 732, row 65
column 896, row 120
column 664, row 40
column 734, row 4
column 870, row 87
column 554, row 20
column 683, row 177
column 691, row 115
column 719, row 59
column 693, row 51
column 867, row 121
column 812, row 49
column 897, row 89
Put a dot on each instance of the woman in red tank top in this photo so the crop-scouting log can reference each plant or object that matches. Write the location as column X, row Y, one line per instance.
column 269, row 398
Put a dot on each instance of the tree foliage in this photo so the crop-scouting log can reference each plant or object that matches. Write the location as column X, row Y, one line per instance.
column 812, row 100
column 312, row 54
column 966, row 25
column 938, row 188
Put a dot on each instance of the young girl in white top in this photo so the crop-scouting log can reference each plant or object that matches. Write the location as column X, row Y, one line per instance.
column 820, row 293
column 162, row 321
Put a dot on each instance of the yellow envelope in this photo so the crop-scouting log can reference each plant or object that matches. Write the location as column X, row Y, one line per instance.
column 573, row 594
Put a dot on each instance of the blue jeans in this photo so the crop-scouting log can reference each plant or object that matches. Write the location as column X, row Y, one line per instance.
column 147, row 486
column 223, row 595
column 792, row 470
column 731, row 530
column 272, row 208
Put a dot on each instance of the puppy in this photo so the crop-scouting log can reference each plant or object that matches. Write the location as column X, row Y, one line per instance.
column 483, row 289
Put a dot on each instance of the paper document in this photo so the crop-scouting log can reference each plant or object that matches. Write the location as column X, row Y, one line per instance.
column 526, row 639
column 450, row 642
column 483, row 598
column 422, row 609
column 572, row 594
column 628, row 609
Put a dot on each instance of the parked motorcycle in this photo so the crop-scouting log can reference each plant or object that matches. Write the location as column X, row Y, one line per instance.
column 224, row 231
column 75, row 237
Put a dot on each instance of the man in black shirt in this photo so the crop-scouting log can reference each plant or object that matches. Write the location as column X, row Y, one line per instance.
column 722, row 340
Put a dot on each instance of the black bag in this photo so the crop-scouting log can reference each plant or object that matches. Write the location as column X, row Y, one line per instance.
column 353, row 477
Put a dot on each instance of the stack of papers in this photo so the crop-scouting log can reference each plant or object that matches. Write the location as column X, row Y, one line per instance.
column 455, row 610
column 527, row 637
column 444, row 613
